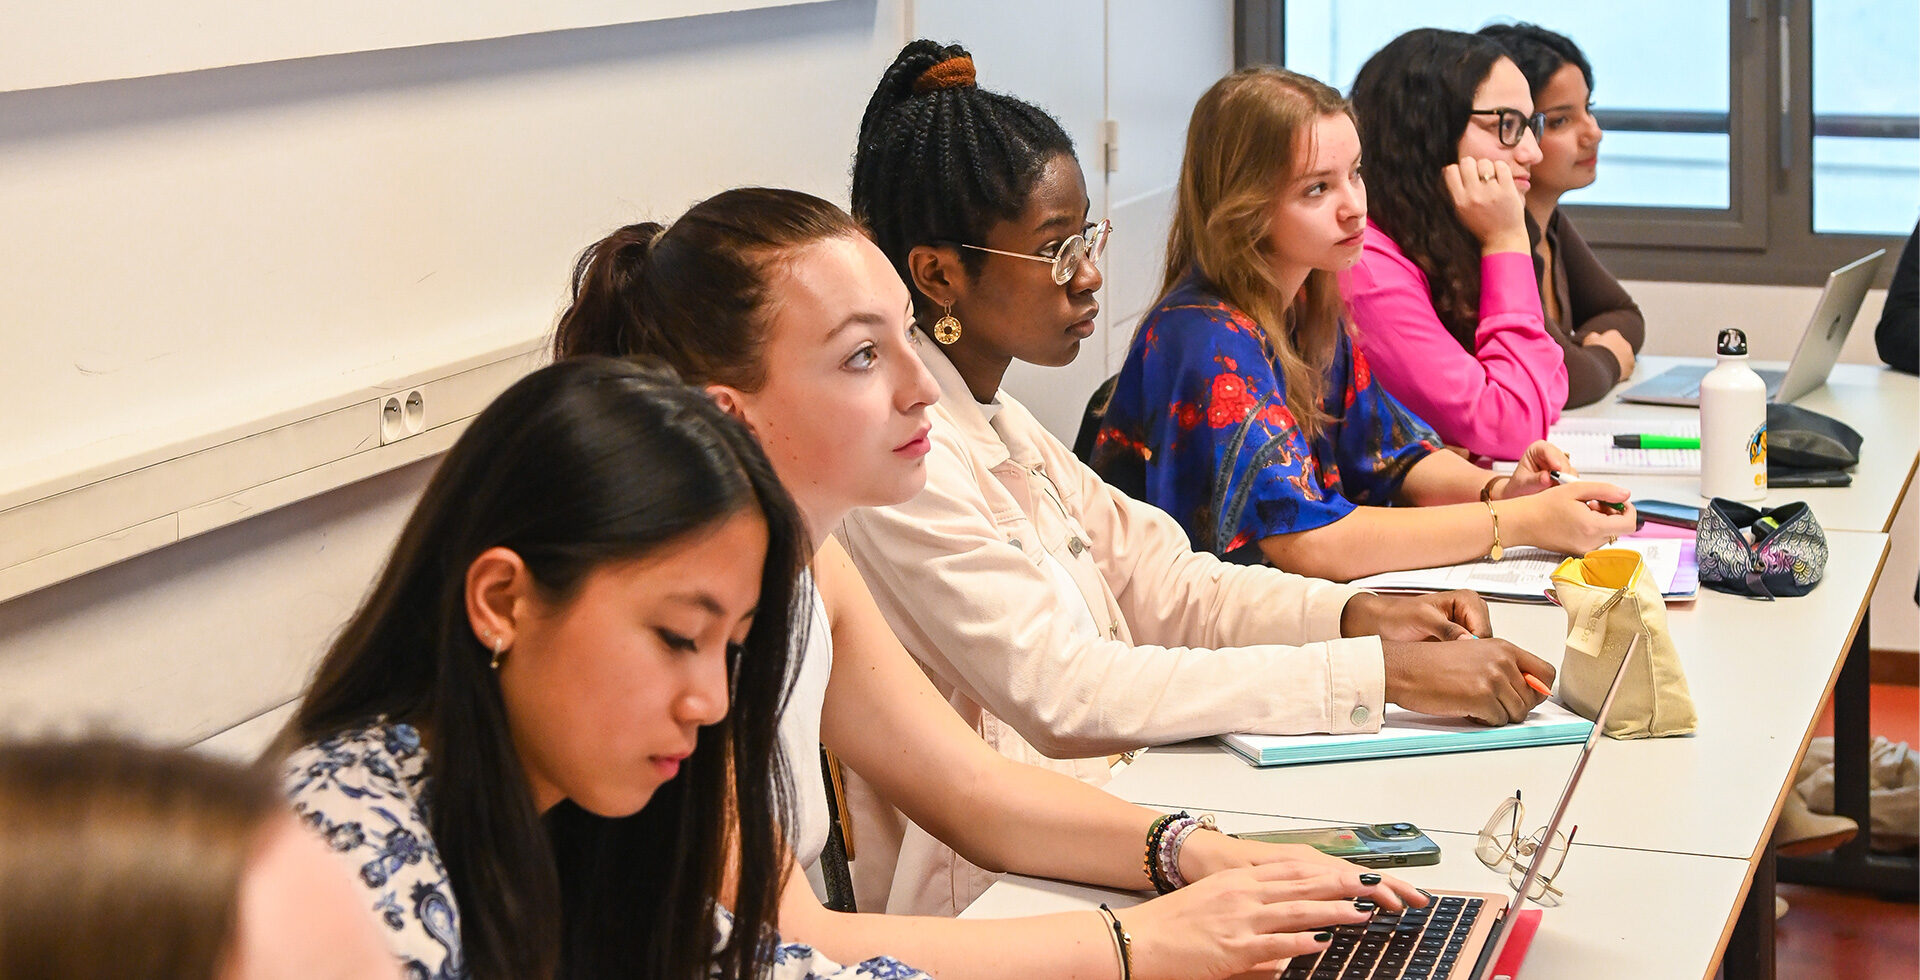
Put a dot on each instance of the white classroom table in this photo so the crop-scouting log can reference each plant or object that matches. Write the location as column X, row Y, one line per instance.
column 1628, row 913
column 1675, row 832
column 1881, row 404
column 1758, row 672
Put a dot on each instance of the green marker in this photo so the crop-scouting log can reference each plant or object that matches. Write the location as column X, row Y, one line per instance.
column 1656, row 442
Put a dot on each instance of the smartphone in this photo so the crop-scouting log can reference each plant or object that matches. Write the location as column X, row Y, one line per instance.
column 1667, row 512
column 1381, row 845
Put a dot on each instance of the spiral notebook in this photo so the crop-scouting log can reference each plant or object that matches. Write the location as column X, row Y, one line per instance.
column 1589, row 446
column 1404, row 732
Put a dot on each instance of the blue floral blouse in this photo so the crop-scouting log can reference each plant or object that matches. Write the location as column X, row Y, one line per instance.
column 1199, row 427
column 365, row 793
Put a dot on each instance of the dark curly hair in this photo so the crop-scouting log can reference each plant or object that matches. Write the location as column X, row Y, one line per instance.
column 941, row 159
column 1539, row 52
column 1413, row 98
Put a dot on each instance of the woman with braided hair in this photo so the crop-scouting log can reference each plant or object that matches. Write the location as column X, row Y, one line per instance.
column 1063, row 619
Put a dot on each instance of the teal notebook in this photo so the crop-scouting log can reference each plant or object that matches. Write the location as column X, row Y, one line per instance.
column 1405, row 732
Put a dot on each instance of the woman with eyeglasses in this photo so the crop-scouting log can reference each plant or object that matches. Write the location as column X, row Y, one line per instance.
column 1243, row 408
column 1444, row 301
column 1597, row 324
column 1062, row 618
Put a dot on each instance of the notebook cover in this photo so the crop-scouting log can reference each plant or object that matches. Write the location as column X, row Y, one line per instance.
column 1404, row 732
column 1520, row 932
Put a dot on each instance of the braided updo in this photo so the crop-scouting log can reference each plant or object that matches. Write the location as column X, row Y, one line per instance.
column 941, row 159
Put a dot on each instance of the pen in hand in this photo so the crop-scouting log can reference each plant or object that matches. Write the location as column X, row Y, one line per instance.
column 1561, row 479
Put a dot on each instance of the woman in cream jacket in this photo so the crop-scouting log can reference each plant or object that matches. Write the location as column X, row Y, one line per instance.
column 1064, row 620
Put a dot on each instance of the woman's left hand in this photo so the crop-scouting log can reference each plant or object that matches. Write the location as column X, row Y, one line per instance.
column 1207, row 852
column 1459, row 614
column 1536, row 469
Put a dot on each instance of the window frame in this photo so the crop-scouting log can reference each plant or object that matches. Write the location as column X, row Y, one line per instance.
column 1766, row 234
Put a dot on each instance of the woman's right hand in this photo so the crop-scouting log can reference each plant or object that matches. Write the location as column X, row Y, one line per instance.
column 1244, row 918
column 1488, row 202
column 1616, row 344
column 1573, row 518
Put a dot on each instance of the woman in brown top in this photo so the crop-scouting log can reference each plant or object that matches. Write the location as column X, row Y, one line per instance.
column 1597, row 324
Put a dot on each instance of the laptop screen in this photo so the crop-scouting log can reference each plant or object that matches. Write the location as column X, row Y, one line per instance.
column 1492, row 955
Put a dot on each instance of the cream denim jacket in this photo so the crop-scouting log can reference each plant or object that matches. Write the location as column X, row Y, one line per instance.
column 1192, row 646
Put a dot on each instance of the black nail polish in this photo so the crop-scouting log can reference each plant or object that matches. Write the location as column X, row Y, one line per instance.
column 1429, row 894
column 1322, row 937
column 1364, row 905
column 1369, row 879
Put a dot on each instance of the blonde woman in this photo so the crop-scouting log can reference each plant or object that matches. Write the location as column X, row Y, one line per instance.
column 1247, row 411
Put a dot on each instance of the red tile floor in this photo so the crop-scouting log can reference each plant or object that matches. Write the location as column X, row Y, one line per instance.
column 1828, row 933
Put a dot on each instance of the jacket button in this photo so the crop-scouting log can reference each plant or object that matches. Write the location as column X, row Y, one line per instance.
column 1014, row 541
column 1075, row 546
column 1359, row 715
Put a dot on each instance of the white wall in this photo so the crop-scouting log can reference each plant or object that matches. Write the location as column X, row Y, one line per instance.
column 1158, row 59
column 185, row 246
column 1682, row 319
column 187, row 243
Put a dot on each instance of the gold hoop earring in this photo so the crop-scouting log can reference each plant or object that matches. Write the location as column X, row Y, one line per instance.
column 499, row 652
column 946, row 330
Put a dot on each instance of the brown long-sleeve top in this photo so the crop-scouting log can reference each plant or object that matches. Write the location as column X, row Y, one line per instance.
column 1591, row 300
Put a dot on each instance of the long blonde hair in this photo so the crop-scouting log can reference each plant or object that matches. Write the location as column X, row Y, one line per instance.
column 1250, row 133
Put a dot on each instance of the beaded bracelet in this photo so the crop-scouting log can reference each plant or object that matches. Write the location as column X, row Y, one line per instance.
column 1151, row 862
column 1178, row 839
column 1169, row 845
column 1122, row 942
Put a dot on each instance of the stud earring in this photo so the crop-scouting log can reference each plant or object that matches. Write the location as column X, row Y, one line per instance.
column 499, row 651
column 946, row 330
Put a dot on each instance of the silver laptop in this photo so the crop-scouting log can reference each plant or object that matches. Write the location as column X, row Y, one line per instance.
column 1812, row 361
column 1459, row 935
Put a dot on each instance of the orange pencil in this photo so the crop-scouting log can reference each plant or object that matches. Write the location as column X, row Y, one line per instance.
column 1534, row 682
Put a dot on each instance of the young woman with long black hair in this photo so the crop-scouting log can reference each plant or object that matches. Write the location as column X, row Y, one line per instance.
column 530, row 737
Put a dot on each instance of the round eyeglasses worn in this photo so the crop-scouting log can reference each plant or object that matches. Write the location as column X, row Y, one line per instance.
column 1067, row 256
column 1513, row 123
column 1501, row 848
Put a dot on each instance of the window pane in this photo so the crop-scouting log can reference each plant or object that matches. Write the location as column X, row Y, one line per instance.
column 1664, row 92
column 1866, row 116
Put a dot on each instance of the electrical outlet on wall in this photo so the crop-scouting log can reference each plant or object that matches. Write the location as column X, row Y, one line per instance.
column 402, row 415
column 413, row 413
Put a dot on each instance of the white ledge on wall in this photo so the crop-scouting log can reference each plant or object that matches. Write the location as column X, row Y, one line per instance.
column 46, row 45
column 82, row 512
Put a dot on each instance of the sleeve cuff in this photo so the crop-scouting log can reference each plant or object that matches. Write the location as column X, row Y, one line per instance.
column 1356, row 684
column 1507, row 286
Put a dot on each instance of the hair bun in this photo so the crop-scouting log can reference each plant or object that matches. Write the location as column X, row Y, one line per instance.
column 955, row 72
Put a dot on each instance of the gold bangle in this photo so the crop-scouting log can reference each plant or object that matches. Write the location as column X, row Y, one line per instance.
column 1494, row 553
column 1486, row 492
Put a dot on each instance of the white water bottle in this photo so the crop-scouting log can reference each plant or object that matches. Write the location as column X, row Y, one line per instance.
column 1733, row 425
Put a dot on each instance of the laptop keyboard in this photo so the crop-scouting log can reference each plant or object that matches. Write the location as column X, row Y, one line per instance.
column 1418, row 944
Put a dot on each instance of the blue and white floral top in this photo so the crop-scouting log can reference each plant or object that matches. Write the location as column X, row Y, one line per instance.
column 366, row 792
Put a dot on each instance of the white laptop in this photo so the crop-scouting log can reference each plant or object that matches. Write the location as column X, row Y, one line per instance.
column 1459, row 935
column 1812, row 361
